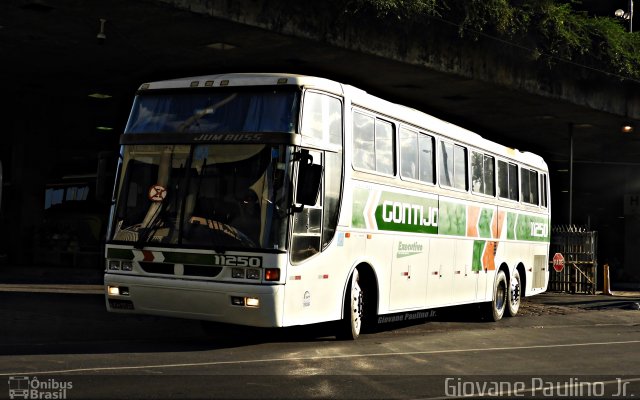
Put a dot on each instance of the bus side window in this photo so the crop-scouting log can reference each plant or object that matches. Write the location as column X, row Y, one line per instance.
column 482, row 174
column 373, row 144
column 543, row 190
column 363, row 142
column 529, row 186
column 453, row 165
column 513, row 182
column 507, row 180
column 385, row 154
column 408, row 154
column 426, row 157
column 416, row 156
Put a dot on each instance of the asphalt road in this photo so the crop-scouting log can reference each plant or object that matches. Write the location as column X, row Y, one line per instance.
column 64, row 345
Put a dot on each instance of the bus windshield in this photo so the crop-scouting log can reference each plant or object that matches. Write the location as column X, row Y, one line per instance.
column 222, row 110
column 222, row 196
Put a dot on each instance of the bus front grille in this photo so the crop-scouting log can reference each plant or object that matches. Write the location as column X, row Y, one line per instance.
column 204, row 271
column 201, row 270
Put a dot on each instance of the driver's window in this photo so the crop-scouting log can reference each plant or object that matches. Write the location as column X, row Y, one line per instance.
column 307, row 225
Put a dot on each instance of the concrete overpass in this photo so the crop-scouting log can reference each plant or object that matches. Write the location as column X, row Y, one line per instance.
column 53, row 61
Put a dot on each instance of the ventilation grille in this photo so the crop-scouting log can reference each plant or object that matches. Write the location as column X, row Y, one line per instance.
column 204, row 271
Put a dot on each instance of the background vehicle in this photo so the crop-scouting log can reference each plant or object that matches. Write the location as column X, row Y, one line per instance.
column 277, row 200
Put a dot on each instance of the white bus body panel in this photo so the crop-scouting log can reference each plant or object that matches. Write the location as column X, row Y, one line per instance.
column 408, row 273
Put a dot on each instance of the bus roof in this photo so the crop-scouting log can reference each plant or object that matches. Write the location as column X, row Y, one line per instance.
column 359, row 98
column 246, row 79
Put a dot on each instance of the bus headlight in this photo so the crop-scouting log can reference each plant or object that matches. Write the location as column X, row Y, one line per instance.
column 252, row 302
column 118, row 290
column 114, row 265
column 245, row 301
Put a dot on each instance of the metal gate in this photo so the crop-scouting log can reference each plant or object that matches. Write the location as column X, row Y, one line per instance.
column 579, row 248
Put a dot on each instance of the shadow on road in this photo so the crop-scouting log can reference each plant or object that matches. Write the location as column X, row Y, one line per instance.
column 54, row 323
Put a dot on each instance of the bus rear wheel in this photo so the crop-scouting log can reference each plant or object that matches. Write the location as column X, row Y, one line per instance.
column 351, row 324
column 496, row 308
column 515, row 295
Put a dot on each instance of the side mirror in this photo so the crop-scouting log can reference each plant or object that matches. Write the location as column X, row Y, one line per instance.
column 309, row 178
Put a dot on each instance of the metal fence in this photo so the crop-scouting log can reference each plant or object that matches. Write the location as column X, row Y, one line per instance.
column 579, row 247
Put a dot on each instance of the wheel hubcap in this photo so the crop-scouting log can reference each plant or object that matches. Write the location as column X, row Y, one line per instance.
column 357, row 306
column 515, row 292
column 500, row 297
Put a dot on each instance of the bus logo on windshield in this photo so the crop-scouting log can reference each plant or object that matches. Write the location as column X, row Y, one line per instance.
column 229, row 137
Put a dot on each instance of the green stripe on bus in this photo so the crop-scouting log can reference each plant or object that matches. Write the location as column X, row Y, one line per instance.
column 389, row 211
column 511, row 225
column 405, row 213
column 532, row 228
column 484, row 224
column 453, row 219
column 478, row 251
column 360, row 197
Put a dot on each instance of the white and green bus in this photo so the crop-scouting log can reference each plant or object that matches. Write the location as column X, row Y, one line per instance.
column 275, row 200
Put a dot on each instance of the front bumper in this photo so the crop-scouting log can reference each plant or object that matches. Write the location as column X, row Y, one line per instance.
column 192, row 299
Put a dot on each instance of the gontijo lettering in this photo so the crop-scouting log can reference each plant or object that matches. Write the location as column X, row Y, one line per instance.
column 407, row 213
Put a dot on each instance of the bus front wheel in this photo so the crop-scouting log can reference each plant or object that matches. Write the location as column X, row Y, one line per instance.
column 496, row 308
column 351, row 323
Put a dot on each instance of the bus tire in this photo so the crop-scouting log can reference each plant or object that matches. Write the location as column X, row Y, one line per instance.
column 351, row 324
column 515, row 294
column 496, row 307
